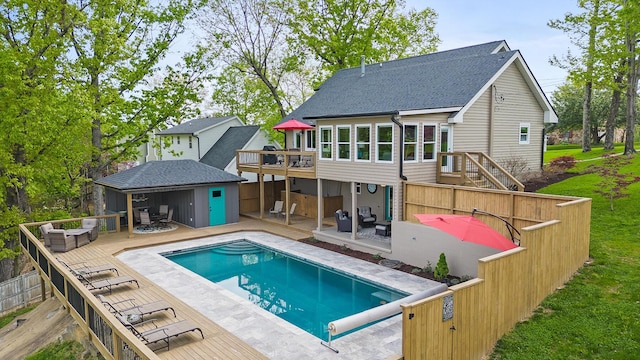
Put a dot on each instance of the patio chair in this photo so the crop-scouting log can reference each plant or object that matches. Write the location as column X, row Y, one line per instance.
column 165, row 221
column 134, row 312
column 277, row 208
column 365, row 217
column 61, row 241
column 91, row 224
column 163, row 211
column 291, row 211
column 145, row 220
column 162, row 333
column 343, row 220
column 44, row 230
column 105, row 283
column 88, row 270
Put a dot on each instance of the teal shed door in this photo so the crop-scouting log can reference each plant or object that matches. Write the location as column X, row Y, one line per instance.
column 217, row 208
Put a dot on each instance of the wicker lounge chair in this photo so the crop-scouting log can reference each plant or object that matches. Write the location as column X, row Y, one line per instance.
column 162, row 333
column 44, row 230
column 91, row 224
column 105, row 283
column 88, row 270
column 61, row 241
column 134, row 311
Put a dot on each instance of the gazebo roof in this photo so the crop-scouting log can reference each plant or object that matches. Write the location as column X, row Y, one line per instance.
column 166, row 174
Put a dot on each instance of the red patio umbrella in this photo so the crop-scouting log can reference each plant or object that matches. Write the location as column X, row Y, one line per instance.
column 467, row 228
column 293, row 124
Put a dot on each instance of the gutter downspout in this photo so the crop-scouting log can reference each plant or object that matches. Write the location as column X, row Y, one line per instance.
column 395, row 118
column 196, row 136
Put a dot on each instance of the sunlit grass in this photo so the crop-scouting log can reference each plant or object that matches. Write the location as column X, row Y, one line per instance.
column 554, row 151
column 597, row 314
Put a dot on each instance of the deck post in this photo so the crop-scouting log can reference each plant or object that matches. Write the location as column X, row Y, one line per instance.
column 354, row 211
column 130, row 214
column 261, row 181
column 320, row 204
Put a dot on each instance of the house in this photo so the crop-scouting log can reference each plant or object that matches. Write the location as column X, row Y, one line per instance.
column 212, row 141
column 200, row 195
column 431, row 118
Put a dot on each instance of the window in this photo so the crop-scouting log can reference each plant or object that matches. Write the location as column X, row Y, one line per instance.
column 358, row 188
column 190, row 143
column 411, row 142
column 173, row 140
column 525, row 128
column 297, row 137
column 326, row 144
column 428, row 142
column 363, row 142
column 178, row 139
column 344, row 142
column 384, row 143
column 311, row 139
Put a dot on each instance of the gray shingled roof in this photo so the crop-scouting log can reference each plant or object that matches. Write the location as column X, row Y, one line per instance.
column 195, row 125
column 224, row 150
column 167, row 174
column 433, row 81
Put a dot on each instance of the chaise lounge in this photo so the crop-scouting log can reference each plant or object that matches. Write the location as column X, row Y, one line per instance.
column 105, row 283
column 88, row 270
column 163, row 333
column 135, row 311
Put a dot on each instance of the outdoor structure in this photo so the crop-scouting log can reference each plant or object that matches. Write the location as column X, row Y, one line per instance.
column 210, row 140
column 200, row 195
column 450, row 117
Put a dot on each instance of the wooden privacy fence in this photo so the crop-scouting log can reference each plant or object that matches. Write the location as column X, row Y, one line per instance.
column 19, row 291
column 467, row 320
column 109, row 336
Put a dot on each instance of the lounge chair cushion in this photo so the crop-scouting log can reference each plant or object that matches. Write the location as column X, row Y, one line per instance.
column 44, row 230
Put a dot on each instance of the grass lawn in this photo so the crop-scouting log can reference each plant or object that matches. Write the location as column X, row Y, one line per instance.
column 597, row 314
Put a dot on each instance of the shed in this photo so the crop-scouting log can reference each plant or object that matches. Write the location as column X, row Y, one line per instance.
column 200, row 195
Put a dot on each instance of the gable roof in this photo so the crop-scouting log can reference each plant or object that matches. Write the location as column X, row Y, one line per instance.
column 167, row 174
column 446, row 80
column 195, row 126
column 224, row 150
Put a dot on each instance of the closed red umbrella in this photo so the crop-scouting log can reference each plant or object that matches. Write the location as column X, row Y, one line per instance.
column 293, row 124
column 467, row 228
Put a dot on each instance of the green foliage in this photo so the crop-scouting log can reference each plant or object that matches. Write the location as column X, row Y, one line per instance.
column 613, row 183
column 61, row 350
column 442, row 269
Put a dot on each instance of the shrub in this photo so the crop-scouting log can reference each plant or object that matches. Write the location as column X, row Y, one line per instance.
column 442, row 269
column 428, row 268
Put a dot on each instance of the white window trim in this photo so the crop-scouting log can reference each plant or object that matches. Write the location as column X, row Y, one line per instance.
column 296, row 137
column 435, row 142
column 416, row 154
column 528, row 126
column 393, row 137
column 338, row 143
column 321, row 143
column 306, row 140
column 355, row 149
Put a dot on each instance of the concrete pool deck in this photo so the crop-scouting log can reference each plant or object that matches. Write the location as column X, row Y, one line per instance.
column 272, row 336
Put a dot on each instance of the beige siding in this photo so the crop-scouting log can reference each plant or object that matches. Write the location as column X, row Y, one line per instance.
column 473, row 133
column 423, row 170
column 517, row 105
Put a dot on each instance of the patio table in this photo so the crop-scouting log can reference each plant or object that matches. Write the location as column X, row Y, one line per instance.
column 81, row 236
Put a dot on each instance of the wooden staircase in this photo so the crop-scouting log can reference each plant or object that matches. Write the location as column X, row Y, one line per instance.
column 475, row 169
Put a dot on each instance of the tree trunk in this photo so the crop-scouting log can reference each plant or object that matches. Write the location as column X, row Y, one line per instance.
column 610, row 126
column 632, row 85
column 586, row 126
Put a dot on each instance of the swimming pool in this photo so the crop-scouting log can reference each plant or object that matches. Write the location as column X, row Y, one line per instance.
column 305, row 294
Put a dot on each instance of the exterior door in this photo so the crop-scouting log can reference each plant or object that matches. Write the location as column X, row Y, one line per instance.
column 217, row 208
column 388, row 203
column 446, row 145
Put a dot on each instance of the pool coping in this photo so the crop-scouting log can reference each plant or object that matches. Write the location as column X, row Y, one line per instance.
column 267, row 333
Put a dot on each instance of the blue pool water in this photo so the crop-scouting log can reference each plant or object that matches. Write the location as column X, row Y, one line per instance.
column 302, row 293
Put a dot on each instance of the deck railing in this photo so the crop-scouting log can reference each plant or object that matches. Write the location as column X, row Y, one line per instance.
column 476, row 169
column 109, row 336
column 278, row 161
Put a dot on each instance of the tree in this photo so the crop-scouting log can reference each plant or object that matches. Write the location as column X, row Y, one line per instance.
column 117, row 46
column 630, row 14
column 338, row 32
column 442, row 269
column 613, row 183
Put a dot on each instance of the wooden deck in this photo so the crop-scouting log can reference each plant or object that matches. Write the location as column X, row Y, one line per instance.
column 217, row 342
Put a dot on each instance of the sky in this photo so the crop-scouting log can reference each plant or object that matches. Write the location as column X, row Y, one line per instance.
column 521, row 23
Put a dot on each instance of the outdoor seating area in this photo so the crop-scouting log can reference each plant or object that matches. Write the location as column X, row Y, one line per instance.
column 62, row 240
column 343, row 221
column 148, row 220
column 128, row 311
